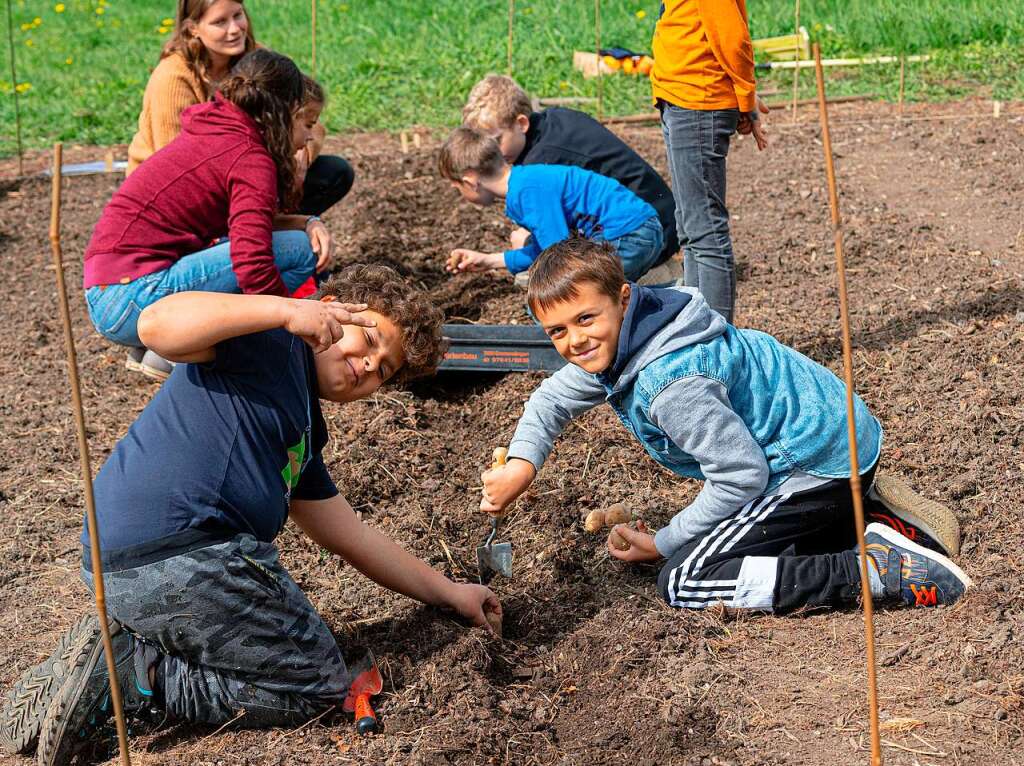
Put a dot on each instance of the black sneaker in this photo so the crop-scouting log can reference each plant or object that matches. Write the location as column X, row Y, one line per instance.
column 78, row 716
column 910, row 573
column 924, row 521
column 26, row 704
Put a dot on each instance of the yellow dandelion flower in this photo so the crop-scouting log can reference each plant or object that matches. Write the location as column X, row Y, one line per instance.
column 26, row 27
column 167, row 23
column 641, row 14
column 69, row 60
column 30, row 42
column 100, row 10
column 563, row 85
column 21, row 87
column 59, row 8
column 36, row 21
column 164, row 30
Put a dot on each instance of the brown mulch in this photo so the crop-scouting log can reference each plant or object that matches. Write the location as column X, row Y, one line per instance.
column 594, row 669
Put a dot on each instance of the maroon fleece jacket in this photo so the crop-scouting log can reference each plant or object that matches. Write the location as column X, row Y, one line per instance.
column 216, row 178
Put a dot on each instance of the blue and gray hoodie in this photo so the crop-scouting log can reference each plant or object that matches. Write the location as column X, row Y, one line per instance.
column 733, row 407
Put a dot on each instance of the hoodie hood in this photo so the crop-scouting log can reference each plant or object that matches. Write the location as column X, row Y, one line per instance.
column 219, row 117
column 659, row 321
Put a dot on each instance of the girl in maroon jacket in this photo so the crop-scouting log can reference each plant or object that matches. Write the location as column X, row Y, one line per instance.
column 227, row 173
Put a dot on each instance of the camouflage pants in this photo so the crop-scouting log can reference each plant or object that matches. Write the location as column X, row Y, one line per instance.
column 239, row 637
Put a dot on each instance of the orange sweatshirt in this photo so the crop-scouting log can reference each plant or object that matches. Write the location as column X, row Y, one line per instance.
column 172, row 88
column 703, row 58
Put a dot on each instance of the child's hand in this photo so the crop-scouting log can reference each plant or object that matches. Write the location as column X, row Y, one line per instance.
column 641, row 543
column 477, row 604
column 462, row 259
column 301, row 166
column 504, row 484
column 320, row 324
column 320, row 241
column 519, row 237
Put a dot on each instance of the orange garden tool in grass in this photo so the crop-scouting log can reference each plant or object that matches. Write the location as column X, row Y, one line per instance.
column 494, row 558
column 366, row 683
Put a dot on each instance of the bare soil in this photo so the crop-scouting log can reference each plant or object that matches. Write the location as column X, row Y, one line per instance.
column 594, row 669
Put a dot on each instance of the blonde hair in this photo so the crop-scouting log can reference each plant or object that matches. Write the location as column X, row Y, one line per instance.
column 495, row 102
column 469, row 149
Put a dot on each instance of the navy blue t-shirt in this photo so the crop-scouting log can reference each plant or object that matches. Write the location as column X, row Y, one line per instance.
column 220, row 450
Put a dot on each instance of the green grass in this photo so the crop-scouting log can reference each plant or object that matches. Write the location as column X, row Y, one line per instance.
column 388, row 65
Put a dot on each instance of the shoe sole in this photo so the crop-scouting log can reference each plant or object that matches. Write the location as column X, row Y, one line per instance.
column 145, row 369
column 893, row 537
column 28, row 702
column 54, row 726
column 929, row 516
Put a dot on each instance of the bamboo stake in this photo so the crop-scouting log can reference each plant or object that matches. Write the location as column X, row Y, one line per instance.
column 511, row 15
column 83, row 453
column 597, row 45
column 14, row 86
column 903, row 69
column 796, row 70
column 855, row 489
column 313, row 34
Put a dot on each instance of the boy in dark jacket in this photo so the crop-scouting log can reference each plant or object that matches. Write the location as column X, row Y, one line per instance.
column 556, row 136
column 762, row 425
column 207, row 624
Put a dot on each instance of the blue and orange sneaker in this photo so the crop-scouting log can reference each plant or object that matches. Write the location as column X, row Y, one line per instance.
column 923, row 521
column 911, row 573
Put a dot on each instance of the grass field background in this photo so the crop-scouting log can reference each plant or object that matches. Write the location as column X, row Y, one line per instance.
column 82, row 65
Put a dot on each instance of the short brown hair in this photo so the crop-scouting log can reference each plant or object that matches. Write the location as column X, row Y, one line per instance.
column 384, row 291
column 557, row 273
column 312, row 91
column 495, row 102
column 468, row 149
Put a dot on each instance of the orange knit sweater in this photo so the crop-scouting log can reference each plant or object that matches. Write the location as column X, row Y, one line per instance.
column 703, row 58
column 171, row 89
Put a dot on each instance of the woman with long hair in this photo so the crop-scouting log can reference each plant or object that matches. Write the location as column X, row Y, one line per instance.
column 227, row 173
column 209, row 37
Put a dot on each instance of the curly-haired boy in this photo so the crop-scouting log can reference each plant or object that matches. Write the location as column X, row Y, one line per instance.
column 207, row 624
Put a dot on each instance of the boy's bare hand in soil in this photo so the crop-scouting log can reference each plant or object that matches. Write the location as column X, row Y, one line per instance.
column 461, row 260
column 503, row 484
column 477, row 604
column 320, row 324
column 641, row 543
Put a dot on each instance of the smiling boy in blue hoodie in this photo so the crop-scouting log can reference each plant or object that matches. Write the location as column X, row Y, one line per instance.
column 762, row 425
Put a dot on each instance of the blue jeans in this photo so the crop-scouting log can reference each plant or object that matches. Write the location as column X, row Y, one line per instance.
column 114, row 309
column 640, row 249
column 697, row 143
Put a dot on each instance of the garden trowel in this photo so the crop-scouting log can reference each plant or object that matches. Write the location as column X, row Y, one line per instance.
column 366, row 683
column 491, row 557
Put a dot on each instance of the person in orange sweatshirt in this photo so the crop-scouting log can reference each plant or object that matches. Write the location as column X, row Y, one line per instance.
column 703, row 85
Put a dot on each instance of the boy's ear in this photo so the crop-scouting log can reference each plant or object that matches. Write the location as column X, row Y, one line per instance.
column 624, row 295
column 522, row 123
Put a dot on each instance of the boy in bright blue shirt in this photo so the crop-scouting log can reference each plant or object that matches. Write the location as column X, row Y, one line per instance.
column 552, row 202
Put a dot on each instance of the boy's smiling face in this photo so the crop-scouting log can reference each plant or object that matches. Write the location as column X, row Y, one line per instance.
column 585, row 329
column 362, row 361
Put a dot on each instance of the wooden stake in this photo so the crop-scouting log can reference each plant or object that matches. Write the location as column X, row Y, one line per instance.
column 416, row 140
column 511, row 16
column 997, row 108
column 405, row 142
column 903, row 69
column 796, row 70
column 855, row 489
column 83, row 453
column 14, row 91
column 313, row 34
column 597, row 45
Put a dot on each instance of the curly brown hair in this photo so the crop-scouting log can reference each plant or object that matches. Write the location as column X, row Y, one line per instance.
column 270, row 88
column 384, row 291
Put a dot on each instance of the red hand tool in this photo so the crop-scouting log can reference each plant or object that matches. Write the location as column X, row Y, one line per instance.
column 366, row 683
